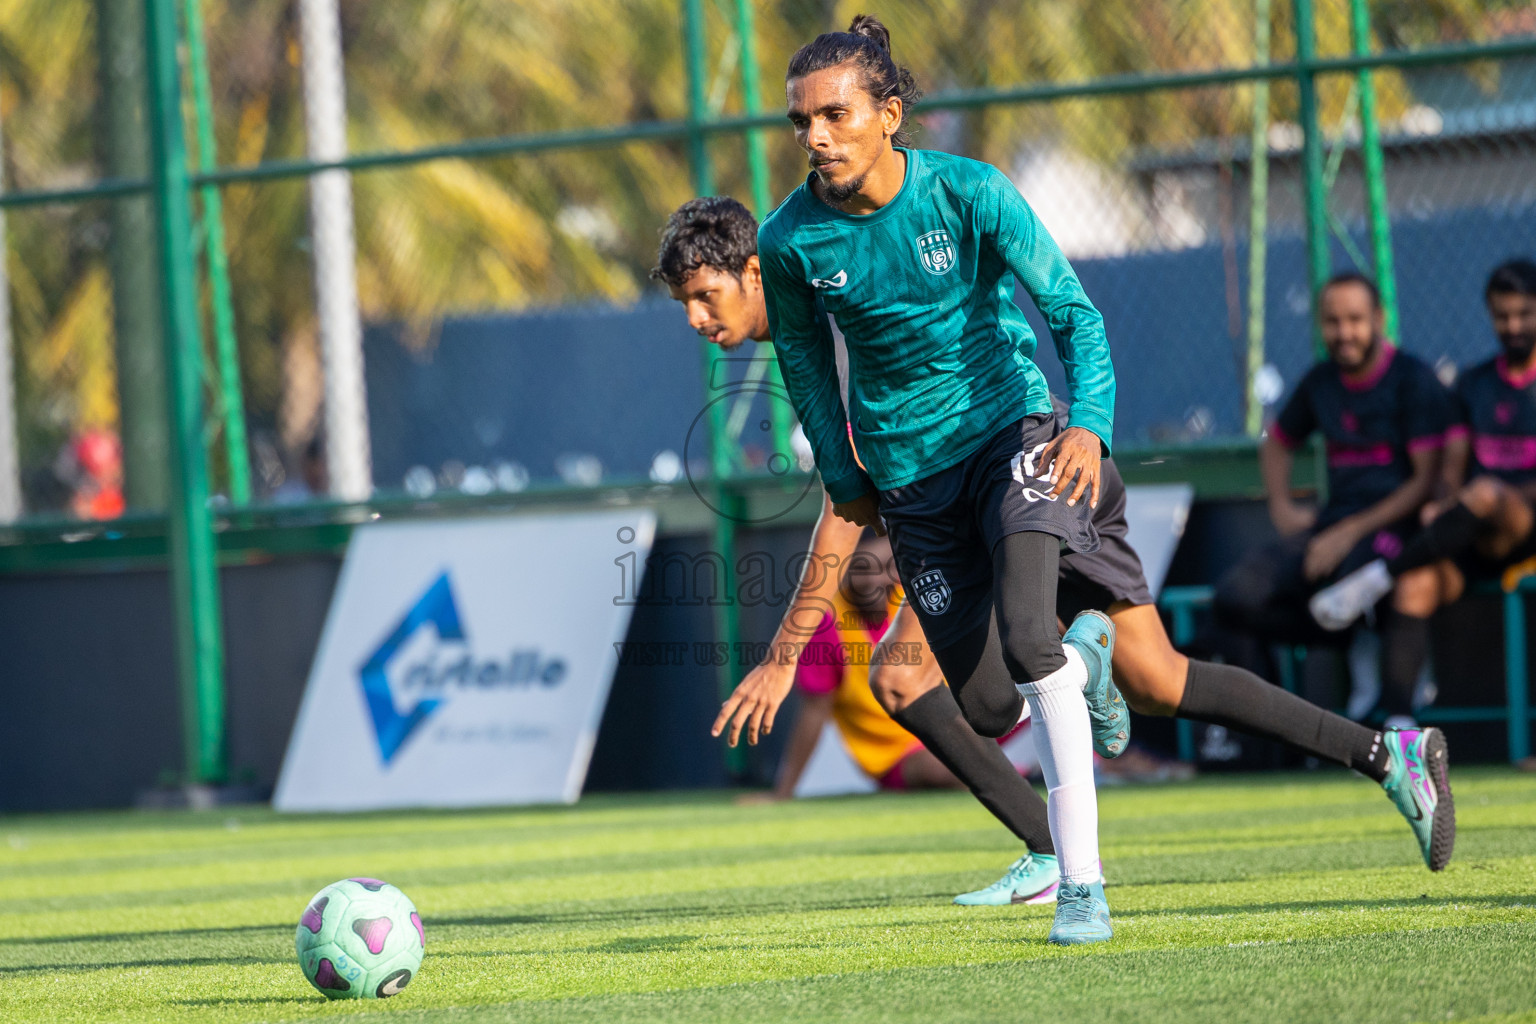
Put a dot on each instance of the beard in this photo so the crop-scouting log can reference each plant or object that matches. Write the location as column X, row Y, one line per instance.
column 1366, row 356
column 837, row 195
column 1518, row 347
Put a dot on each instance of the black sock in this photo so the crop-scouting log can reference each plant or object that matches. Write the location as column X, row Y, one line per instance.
column 1229, row 696
column 1404, row 647
column 1024, row 582
column 981, row 764
column 1446, row 537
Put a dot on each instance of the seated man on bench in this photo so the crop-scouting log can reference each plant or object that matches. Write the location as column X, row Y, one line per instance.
column 1484, row 529
column 1384, row 415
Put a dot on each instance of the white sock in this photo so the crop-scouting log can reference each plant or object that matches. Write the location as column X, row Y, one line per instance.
column 1064, row 743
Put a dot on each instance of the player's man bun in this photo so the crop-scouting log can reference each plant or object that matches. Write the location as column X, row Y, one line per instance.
column 867, row 45
column 871, row 27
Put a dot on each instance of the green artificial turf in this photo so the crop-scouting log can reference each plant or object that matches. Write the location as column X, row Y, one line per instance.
column 1242, row 899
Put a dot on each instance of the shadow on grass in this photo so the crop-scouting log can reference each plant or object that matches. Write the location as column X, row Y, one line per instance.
column 643, row 944
column 61, row 940
column 181, row 961
column 737, row 907
column 251, row 1001
column 1394, row 903
column 739, row 903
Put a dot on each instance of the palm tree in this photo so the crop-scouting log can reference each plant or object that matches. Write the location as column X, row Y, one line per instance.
column 461, row 236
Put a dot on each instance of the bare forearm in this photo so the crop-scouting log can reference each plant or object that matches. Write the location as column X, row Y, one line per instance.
column 814, row 712
column 1395, row 507
column 832, row 543
column 1453, row 469
column 1275, row 462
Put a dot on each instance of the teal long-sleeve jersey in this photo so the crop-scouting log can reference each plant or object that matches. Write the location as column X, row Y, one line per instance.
column 939, row 355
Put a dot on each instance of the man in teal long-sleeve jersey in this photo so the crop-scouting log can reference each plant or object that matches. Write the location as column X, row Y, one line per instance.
column 708, row 258
column 914, row 253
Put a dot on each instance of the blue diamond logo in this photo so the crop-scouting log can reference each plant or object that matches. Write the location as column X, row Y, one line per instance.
column 390, row 726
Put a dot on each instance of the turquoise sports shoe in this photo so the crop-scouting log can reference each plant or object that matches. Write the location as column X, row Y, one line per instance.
column 1093, row 635
column 1033, row 879
column 1082, row 915
column 1418, row 784
column 1030, row 879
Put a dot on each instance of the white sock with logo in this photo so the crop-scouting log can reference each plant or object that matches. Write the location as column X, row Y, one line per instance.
column 1064, row 743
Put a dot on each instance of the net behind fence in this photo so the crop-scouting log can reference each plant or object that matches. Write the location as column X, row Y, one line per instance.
column 512, row 336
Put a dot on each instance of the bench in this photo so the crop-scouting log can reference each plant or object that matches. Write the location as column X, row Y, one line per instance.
column 1181, row 603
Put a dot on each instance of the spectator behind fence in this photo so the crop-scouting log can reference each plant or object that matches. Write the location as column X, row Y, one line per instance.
column 1383, row 415
column 833, row 680
column 1483, row 529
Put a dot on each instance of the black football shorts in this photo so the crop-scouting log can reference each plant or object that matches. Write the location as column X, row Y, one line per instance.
column 944, row 527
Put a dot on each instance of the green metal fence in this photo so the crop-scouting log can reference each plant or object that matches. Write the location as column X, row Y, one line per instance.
column 1151, row 127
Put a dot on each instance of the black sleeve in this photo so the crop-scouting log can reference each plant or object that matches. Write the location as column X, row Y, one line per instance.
column 1298, row 418
column 1461, row 406
column 1429, row 409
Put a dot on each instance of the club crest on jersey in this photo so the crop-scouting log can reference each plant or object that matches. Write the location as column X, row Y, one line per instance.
column 936, row 251
column 932, row 591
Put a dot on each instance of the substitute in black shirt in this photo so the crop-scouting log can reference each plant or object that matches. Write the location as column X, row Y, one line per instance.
column 1383, row 415
column 1487, row 527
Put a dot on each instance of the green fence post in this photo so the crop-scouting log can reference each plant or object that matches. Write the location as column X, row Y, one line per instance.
column 137, row 319
column 727, row 620
column 1515, row 697
column 1318, row 262
column 1183, row 633
column 226, row 351
column 1375, row 172
column 782, row 417
column 194, row 572
column 1258, row 221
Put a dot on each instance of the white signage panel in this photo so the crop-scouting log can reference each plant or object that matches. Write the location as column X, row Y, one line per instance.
column 464, row 662
column 1155, row 516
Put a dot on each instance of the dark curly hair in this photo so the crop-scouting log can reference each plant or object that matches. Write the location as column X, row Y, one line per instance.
column 867, row 45
column 715, row 231
column 1516, row 277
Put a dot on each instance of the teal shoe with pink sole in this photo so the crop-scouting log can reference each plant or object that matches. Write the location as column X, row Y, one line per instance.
column 1418, row 782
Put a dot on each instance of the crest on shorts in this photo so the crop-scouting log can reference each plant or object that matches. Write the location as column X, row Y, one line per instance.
column 931, row 590
column 936, row 251
column 1028, row 472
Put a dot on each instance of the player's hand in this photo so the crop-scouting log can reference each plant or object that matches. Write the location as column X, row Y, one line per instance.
column 1435, row 509
column 1327, row 550
column 754, row 703
column 861, row 511
column 1290, row 518
column 1077, row 452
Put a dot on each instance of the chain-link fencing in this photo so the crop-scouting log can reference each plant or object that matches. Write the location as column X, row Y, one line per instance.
column 511, row 337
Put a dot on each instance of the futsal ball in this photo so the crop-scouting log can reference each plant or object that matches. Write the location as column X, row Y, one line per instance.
column 360, row 938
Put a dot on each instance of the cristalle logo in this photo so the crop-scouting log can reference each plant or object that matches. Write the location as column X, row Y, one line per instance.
column 438, row 668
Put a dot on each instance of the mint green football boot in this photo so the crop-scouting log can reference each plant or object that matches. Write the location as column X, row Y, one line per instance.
column 1418, row 783
column 1082, row 915
column 1092, row 635
column 1030, row 879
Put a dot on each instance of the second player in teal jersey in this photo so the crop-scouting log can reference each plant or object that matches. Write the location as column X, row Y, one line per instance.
column 912, row 254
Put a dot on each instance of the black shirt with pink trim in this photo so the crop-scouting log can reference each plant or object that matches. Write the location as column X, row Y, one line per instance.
column 1370, row 427
column 1498, row 412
